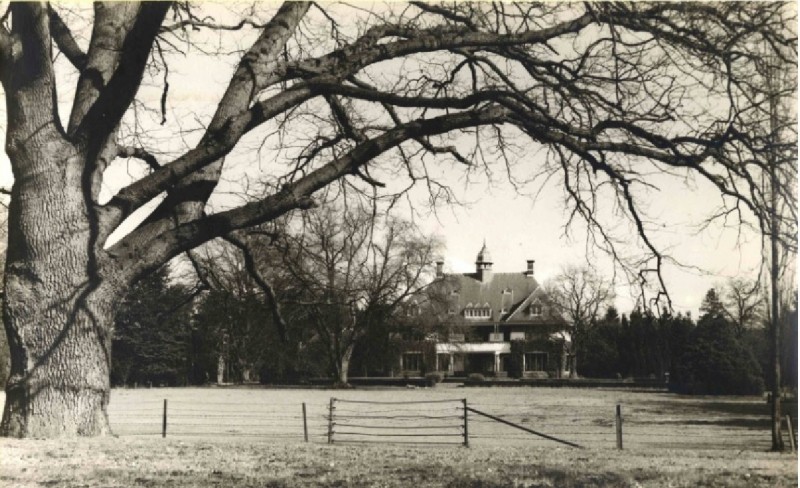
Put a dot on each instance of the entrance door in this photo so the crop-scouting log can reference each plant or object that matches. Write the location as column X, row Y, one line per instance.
column 444, row 362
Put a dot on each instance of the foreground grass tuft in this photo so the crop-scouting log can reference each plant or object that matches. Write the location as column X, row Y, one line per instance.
column 159, row 462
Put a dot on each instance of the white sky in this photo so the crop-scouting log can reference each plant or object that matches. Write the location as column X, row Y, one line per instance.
column 516, row 227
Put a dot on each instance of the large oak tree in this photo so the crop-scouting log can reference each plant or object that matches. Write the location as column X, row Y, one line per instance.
column 614, row 92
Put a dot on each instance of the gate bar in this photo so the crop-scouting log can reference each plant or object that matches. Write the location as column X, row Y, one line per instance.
column 502, row 421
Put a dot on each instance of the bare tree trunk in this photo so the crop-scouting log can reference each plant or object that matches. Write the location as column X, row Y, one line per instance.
column 343, row 365
column 775, row 325
column 573, row 354
column 58, row 312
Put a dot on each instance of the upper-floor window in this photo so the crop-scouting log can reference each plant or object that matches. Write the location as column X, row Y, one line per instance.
column 536, row 310
column 507, row 296
column 478, row 313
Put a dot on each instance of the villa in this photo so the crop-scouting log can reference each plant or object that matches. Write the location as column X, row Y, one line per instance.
column 500, row 324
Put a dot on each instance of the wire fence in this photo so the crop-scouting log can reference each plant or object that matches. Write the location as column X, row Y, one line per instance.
column 453, row 422
column 428, row 422
column 222, row 419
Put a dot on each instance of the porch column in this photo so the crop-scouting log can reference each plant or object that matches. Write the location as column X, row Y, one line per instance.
column 523, row 365
column 450, row 367
column 497, row 362
column 435, row 361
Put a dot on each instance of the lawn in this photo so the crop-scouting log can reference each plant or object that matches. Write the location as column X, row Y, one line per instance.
column 254, row 437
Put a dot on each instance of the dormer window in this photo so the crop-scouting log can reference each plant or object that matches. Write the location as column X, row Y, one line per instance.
column 536, row 310
column 477, row 312
column 507, row 296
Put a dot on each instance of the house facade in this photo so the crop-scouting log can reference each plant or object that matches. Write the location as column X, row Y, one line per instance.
column 496, row 324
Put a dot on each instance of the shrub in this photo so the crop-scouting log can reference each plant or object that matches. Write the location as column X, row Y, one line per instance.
column 476, row 377
column 431, row 379
column 537, row 375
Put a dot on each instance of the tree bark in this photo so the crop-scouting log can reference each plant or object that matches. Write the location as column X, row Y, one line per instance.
column 58, row 311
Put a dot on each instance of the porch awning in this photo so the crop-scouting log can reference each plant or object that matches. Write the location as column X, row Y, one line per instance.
column 473, row 347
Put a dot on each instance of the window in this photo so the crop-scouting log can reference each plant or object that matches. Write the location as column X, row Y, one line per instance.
column 517, row 336
column 412, row 361
column 506, row 300
column 536, row 310
column 535, row 361
column 477, row 313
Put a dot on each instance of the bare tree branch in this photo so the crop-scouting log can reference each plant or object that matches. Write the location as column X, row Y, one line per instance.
column 65, row 41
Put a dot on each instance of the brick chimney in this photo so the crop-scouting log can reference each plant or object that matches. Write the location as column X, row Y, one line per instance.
column 439, row 268
column 529, row 271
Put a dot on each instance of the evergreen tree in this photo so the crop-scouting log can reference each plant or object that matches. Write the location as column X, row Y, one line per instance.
column 715, row 361
column 712, row 305
column 151, row 334
column 600, row 348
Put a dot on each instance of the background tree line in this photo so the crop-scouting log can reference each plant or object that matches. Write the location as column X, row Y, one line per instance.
column 168, row 334
column 712, row 355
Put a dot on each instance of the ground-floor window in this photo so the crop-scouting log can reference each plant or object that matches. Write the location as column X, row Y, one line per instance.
column 443, row 362
column 412, row 361
column 535, row 361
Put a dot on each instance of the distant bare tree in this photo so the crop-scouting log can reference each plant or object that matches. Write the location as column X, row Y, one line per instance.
column 580, row 295
column 351, row 271
column 744, row 304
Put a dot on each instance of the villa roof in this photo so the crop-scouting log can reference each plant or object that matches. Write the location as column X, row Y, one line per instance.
column 505, row 294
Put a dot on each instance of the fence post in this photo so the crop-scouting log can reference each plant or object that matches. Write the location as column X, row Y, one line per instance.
column 330, row 421
column 791, row 432
column 618, row 419
column 466, row 424
column 305, row 423
column 164, row 421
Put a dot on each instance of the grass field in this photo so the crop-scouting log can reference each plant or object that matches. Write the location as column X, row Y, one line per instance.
column 254, row 437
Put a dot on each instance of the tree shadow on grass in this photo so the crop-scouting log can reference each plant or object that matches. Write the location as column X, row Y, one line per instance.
column 543, row 477
column 700, row 407
column 449, row 477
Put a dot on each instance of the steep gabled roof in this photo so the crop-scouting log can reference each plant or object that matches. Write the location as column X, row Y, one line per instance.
column 503, row 291
column 506, row 294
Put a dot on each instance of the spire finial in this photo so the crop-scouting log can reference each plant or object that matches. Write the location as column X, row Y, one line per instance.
column 483, row 255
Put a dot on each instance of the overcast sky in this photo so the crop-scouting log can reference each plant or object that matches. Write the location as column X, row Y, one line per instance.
column 516, row 223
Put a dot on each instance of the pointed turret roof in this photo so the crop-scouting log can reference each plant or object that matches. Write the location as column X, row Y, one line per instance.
column 483, row 254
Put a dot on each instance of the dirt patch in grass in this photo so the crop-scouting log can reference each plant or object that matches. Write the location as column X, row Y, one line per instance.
column 246, row 463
